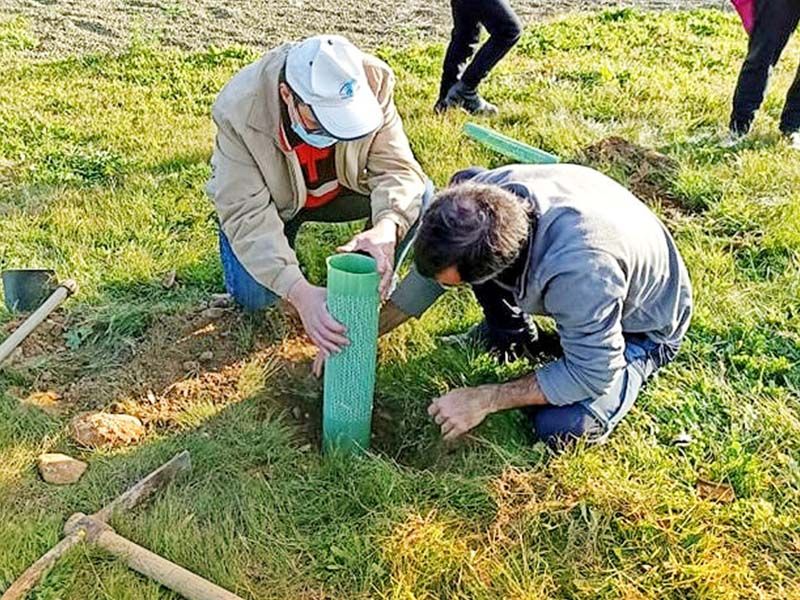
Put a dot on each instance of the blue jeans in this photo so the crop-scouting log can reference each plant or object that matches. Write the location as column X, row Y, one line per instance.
column 595, row 419
column 348, row 206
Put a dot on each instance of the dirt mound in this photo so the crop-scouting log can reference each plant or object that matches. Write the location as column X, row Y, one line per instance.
column 648, row 172
column 47, row 340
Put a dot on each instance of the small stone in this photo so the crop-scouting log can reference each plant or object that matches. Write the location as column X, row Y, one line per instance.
column 48, row 402
column 168, row 281
column 306, row 416
column 682, row 440
column 297, row 413
column 212, row 314
column 96, row 430
column 220, row 301
column 305, row 448
column 60, row 469
column 206, row 356
column 151, row 397
column 191, row 365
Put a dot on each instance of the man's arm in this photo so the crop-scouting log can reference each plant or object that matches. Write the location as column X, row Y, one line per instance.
column 463, row 409
column 585, row 298
column 251, row 222
column 518, row 393
column 248, row 216
column 395, row 181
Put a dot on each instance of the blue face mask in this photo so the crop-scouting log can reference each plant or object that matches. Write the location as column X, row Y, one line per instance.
column 318, row 140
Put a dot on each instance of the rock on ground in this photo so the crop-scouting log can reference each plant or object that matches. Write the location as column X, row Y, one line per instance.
column 95, row 430
column 60, row 469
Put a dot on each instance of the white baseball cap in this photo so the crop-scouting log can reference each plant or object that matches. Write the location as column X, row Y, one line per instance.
column 327, row 72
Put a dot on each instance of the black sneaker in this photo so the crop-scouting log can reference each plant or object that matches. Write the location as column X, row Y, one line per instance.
column 441, row 106
column 506, row 344
column 470, row 100
column 793, row 137
column 737, row 132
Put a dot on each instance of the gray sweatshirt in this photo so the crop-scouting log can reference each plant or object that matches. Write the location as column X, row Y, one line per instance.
column 602, row 265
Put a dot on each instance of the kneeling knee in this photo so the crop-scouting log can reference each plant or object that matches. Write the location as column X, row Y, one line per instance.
column 557, row 426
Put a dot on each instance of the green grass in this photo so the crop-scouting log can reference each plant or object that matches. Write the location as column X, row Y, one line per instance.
column 102, row 165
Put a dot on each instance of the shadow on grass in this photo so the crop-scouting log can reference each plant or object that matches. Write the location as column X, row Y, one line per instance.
column 260, row 495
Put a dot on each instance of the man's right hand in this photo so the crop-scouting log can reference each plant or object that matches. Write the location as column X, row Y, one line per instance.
column 310, row 301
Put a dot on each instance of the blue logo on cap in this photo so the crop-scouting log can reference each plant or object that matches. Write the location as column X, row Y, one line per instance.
column 348, row 89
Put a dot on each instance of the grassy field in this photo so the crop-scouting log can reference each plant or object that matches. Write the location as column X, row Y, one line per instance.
column 102, row 166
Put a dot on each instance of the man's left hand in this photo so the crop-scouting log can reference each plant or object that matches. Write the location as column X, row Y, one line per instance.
column 379, row 242
column 463, row 409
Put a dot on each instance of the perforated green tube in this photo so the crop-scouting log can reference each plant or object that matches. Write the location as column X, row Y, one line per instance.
column 350, row 375
column 508, row 146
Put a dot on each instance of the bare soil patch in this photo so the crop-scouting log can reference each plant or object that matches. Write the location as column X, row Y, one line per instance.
column 183, row 362
column 66, row 27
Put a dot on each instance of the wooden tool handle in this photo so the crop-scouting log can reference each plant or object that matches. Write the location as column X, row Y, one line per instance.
column 76, row 526
column 33, row 574
column 63, row 291
column 168, row 574
column 139, row 492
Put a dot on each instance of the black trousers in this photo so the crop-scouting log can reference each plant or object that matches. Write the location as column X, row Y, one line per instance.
column 504, row 30
column 775, row 21
column 499, row 307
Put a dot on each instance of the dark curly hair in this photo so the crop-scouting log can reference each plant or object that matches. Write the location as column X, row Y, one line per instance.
column 480, row 229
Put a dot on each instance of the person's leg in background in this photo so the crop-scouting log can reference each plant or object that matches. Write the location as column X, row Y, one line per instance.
column 464, row 40
column 790, row 118
column 594, row 420
column 504, row 29
column 771, row 31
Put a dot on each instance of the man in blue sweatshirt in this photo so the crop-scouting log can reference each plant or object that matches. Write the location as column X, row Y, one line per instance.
column 567, row 242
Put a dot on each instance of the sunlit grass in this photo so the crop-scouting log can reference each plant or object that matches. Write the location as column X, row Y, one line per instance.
column 103, row 160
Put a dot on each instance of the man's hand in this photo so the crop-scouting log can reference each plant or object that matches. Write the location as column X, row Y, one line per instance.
column 326, row 333
column 379, row 242
column 466, row 408
column 390, row 317
column 463, row 409
column 319, row 365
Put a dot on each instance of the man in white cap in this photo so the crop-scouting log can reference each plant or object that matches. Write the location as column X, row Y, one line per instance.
column 310, row 132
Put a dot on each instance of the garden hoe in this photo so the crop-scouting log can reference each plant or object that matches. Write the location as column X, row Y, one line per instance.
column 94, row 529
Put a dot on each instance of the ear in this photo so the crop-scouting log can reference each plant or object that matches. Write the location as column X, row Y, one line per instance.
column 285, row 92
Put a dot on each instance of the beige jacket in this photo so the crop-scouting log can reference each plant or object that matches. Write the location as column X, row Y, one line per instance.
column 256, row 186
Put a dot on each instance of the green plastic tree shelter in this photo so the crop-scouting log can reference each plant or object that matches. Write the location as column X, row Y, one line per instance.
column 508, row 146
column 349, row 382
